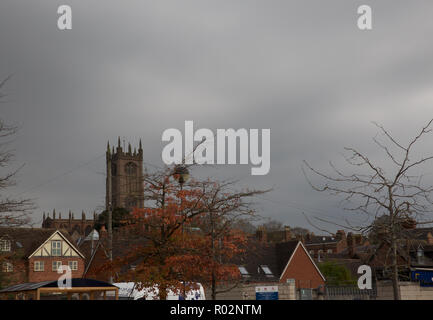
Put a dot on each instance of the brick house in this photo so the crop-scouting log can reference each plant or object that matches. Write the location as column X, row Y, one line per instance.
column 33, row 255
column 280, row 262
column 320, row 246
column 96, row 249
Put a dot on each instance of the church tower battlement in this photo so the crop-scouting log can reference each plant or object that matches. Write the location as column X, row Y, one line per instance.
column 126, row 176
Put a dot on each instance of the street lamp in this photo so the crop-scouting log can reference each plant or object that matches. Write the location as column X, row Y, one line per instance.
column 181, row 174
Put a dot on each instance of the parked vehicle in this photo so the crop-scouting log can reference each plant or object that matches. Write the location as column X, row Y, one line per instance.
column 129, row 291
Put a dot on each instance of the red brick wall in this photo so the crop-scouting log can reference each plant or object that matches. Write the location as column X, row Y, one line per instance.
column 19, row 274
column 303, row 271
column 48, row 273
column 341, row 245
column 98, row 268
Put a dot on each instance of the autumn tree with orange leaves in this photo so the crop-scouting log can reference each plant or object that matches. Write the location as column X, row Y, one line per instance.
column 185, row 234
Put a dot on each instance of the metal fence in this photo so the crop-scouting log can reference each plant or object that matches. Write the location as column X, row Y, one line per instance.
column 349, row 293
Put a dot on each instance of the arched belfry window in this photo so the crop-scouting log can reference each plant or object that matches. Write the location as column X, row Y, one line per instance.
column 131, row 169
column 130, row 203
column 131, row 172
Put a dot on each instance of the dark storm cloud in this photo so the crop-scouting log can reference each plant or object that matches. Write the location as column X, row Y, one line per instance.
column 133, row 69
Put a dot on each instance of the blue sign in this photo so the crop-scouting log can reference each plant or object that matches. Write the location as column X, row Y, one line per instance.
column 266, row 295
column 425, row 277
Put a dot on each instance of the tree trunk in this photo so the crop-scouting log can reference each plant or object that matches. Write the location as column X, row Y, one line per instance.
column 213, row 280
column 213, row 286
column 395, row 286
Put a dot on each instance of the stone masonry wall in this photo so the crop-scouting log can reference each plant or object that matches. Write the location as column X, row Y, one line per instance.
column 286, row 291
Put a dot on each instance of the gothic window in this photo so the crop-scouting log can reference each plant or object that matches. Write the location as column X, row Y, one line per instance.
column 131, row 169
column 88, row 230
column 131, row 177
column 130, row 203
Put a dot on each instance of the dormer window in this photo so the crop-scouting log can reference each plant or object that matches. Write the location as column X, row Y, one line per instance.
column 5, row 245
column 267, row 271
column 244, row 271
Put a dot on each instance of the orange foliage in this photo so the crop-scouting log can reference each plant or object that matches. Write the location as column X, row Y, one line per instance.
column 175, row 247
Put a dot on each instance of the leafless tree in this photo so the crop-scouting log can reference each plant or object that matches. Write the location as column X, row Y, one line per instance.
column 13, row 211
column 225, row 207
column 369, row 189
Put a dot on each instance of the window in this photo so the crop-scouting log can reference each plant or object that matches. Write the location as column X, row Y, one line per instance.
column 329, row 251
column 243, row 271
column 5, row 245
column 56, row 248
column 267, row 271
column 39, row 266
column 130, row 203
column 131, row 169
column 73, row 265
column 56, row 265
column 131, row 177
column 8, row 267
column 320, row 251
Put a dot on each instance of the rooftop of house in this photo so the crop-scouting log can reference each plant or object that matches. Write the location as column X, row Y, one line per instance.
column 29, row 239
column 419, row 233
column 265, row 261
column 321, row 239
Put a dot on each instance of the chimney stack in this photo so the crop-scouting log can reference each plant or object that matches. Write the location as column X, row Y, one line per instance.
column 350, row 244
column 340, row 235
column 261, row 234
column 287, row 233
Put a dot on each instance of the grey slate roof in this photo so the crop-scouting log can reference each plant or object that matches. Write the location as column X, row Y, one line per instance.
column 75, row 283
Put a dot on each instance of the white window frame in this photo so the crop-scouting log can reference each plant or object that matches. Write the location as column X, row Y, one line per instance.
column 5, row 245
column 329, row 251
column 55, row 265
column 39, row 266
column 243, row 271
column 55, row 250
column 7, row 266
column 73, row 265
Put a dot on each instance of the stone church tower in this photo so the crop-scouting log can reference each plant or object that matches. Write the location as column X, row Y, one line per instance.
column 127, row 172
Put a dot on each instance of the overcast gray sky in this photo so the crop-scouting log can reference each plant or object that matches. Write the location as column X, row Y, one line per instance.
column 135, row 68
